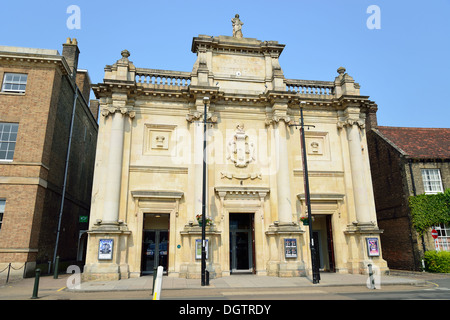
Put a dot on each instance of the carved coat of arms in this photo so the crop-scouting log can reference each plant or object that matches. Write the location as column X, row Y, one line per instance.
column 240, row 150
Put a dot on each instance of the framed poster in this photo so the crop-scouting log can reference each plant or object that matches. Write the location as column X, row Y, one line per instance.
column 198, row 249
column 290, row 248
column 105, row 249
column 373, row 247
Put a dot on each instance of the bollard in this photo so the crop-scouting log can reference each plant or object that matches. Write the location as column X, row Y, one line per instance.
column 55, row 272
column 158, row 284
column 36, row 284
column 155, row 269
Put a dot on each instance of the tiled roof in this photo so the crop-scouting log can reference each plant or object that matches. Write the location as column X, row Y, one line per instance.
column 419, row 143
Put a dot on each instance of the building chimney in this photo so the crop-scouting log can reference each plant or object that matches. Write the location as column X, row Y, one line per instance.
column 71, row 53
column 94, row 106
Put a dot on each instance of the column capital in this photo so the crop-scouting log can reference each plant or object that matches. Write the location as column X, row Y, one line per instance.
column 198, row 116
column 276, row 118
column 350, row 122
column 129, row 111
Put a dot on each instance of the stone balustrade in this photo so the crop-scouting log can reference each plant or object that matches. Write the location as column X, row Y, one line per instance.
column 166, row 79
column 153, row 78
column 309, row 88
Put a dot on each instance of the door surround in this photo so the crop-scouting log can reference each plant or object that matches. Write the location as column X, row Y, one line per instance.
column 250, row 200
column 163, row 202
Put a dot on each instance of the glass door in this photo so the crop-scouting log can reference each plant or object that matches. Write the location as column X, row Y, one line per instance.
column 241, row 242
column 154, row 250
column 148, row 251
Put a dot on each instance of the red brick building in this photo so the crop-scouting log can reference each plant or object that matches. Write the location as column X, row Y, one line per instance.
column 406, row 162
column 38, row 91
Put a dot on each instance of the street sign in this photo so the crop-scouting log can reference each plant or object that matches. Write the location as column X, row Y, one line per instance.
column 83, row 219
column 434, row 234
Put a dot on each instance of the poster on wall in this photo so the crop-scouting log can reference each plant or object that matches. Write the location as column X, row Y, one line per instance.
column 290, row 248
column 198, row 249
column 373, row 248
column 105, row 249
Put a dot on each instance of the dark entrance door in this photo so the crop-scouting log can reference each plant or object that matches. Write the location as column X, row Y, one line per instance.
column 241, row 243
column 330, row 244
column 154, row 250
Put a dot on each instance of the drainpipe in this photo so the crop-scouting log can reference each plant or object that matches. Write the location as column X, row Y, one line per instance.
column 58, row 231
column 412, row 177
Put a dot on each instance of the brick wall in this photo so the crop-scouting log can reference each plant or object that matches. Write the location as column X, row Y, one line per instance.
column 24, row 197
column 442, row 165
column 417, row 166
column 84, row 84
column 32, row 182
column 79, row 177
column 391, row 192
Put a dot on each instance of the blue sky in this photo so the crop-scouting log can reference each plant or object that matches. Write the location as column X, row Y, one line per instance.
column 404, row 66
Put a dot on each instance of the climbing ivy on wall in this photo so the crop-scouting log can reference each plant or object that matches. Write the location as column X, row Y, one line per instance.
column 428, row 210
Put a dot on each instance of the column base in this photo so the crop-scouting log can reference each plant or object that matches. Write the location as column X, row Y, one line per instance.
column 279, row 265
column 101, row 272
column 109, row 266
column 286, row 269
column 358, row 250
column 193, row 271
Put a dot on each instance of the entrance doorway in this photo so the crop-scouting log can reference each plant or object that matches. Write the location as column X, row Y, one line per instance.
column 155, row 243
column 241, row 243
column 323, row 238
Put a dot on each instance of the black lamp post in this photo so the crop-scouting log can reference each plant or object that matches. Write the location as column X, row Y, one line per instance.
column 313, row 246
column 205, row 101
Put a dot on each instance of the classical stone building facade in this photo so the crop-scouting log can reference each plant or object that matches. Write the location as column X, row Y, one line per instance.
column 148, row 178
column 39, row 88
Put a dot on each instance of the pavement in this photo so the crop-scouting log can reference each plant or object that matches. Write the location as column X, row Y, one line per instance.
column 24, row 287
column 242, row 281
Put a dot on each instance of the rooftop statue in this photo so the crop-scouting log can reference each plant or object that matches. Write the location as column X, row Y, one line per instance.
column 237, row 26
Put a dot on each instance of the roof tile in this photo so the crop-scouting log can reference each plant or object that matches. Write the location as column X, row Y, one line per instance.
column 420, row 143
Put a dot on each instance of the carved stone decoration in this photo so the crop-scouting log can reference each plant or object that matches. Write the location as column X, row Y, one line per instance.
column 350, row 122
column 251, row 176
column 315, row 147
column 198, row 116
column 277, row 118
column 237, row 27
column 106, row 111
column 240, row 150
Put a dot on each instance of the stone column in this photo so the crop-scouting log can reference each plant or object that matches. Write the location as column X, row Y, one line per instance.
column 116, row 106
column 196, row 118
column 285, row 227
column 198, row 165
column 353, row 125
column 283, row 183
column 111, row 202
column 113, row 179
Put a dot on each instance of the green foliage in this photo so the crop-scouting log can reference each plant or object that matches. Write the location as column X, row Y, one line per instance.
column 428, row 210
column 437, row 261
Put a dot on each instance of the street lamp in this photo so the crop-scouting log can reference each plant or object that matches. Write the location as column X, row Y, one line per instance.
column 203, row 267
column 315, row 267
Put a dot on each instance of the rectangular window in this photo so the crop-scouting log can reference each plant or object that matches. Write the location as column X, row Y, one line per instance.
column 442, row 243
column 2, row 210
column 8, row 137
column 14, row 82
column 432, row 182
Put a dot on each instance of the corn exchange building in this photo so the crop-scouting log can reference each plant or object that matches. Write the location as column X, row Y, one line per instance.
column 148, row 182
